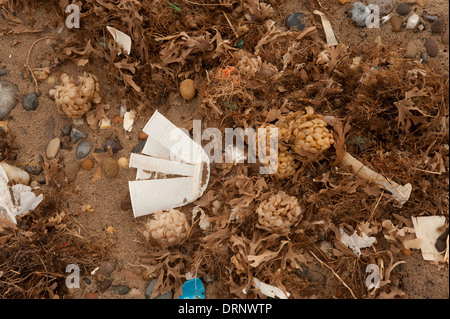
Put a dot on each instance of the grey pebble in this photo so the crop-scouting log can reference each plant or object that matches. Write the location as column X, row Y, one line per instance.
column 423, row 57
column 4, row 72
column 429, row 17
column 87, row 280
column 8, row 101
column 30, row 102
column 77, row 135
column 138, row 148
column 104, row 284
column 33, row 168
column 66, row 130
column 120, row 289
column 114, row 144
column 296, row 21
column 151, row 287
column 438, row 26
column 83, row 149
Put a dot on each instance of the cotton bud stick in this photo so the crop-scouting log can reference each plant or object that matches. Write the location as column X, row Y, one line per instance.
column 399, row 193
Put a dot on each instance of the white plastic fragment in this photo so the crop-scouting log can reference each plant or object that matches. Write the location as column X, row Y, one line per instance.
column 120, row 38
column 329, row 34
column 15, row 174
column 356, row 242
column 20, row 200
column 128, row 120
column 269, row 290
column 427, row 231
column 204, row 221
column 183, row 164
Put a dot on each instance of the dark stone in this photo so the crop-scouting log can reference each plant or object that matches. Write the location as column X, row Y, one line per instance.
column 83, row 149
column 441, row 242
column 403, row 9
column 104, row 284
column 429, row 17
column 77, row 135
column 114, row 144
column 120, row 290
column 296, row 21
column 87, row 281
column 3, row 72
column 438, row 26
column 30, row 102
column 431, row 47
column 33, row 168
column 66, row 130
column 138, row 148
column 107, row 268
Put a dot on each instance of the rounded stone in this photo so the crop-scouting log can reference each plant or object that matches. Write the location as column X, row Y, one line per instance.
column 358, row 13
column 66, row 130
column 444, row 38
column 87, row 164
column 396, row 23
column 76, row 135
column 107, row 268
column 114, row 144
column 296, row 21
column 431, row 47
column 423, row 57
column 120, row 290
column 53, row 148
column 187, row 89
column 30, row 102
column 71, row 171
column 385, row 6
column 83, row 149
column 110, row 167
column 410, row 50
column 403, row 9
column 125, row 203
column 438, row 26
column 429, row 17
column 104, row 284
column 33, row 168
column 151, row 287
column 8, row 101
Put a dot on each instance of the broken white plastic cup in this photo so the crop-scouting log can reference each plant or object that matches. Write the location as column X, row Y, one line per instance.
column 182, row 162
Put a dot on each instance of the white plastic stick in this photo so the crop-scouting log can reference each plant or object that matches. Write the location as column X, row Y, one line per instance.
column 399, row 193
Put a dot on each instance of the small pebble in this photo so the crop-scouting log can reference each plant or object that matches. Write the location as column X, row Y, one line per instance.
column 431, row 47
column 104, row 284
column 438, row 26
column 296, row 21
column 423, row 57
column 429, row 17
column 396, row 23
column 311, row 275
column 444, row 38
column 87, row 164
column 83, row 149
column 33, row 168
column 151, row 287
column 106, row 268
column 143, row 136
column 4, row 72
column 66, row 130
column 8, row 101
column 120, row 290
column 76, row 135
column 187, row 89
column 358, row 13
column 71, row 171
column 410, row 50
column 53, row 148
column 441, row 242
column 412, row 21
column 110, row 167
column 87, row 280
column 123, row 162
column 125, row 203
column 114, row 144
column 30, row 102
column 403, row 9
column 138, row 148
column 91, row 295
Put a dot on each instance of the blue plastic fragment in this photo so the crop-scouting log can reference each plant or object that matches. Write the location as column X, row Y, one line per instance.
column 193, row 289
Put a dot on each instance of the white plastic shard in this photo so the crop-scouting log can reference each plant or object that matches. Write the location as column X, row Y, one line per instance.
column 172, row 170
column 269, row 290
column 17, row 200
column 427, row 231
column 120, row 38
column 355, row 242
column 329, row 33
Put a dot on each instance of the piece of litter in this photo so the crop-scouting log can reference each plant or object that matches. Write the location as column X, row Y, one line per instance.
column 121, row 39
column 427, row 230
column 204, row 220
column 95, row 270
column 355, row 242
column 193, row 289
column 329, row 34
column 19, row 201
column 168, row 150
column 128, row 120
column 269, row 290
